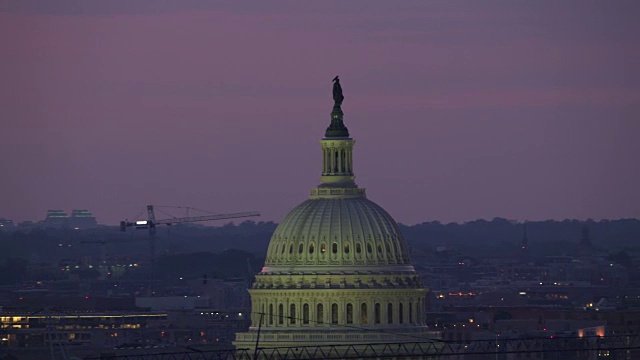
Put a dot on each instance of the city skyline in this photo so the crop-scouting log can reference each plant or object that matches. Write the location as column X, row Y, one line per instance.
column 462, row 111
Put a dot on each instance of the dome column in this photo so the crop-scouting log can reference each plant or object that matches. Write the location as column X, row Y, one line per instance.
column 337, row 163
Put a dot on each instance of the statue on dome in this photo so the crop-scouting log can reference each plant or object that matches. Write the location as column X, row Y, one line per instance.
column 337, row 92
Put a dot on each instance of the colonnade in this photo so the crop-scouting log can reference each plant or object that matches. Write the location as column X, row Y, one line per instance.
column 338, row 160
column 366, row 312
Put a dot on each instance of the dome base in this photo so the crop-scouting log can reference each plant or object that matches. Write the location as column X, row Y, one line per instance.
column 337, row 192
column 321, row 342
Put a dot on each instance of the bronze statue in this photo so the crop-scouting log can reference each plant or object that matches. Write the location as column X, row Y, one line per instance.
column 337, row 92
column 337, row 128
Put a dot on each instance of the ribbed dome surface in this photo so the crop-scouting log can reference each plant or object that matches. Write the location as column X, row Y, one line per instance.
column 337, row 231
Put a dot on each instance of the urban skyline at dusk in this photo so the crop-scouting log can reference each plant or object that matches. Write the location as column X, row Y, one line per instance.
column 459, row 110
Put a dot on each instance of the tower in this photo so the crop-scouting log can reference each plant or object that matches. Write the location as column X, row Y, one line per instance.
column 585, row 245
column 337, row 270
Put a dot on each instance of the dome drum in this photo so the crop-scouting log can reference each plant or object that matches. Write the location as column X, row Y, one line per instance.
column 287, row 309
column 405, row 280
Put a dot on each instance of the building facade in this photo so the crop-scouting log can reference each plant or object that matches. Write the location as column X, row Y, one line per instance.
column 337, row 270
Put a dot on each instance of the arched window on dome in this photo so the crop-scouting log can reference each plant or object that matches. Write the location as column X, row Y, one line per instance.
column 292, row 314
column 400, row 313
column 300, row 248
column 369, row 248
column 320, row 314
column 379, row 248
column 410, row 313
column 364, row 317
column 349, row 314
column 323, row 248
column 346, row 248
column 388, row 248
column 376, row 313
column 283, row 248
column 334, row 313
column 334, row 248
column 291, row 249
column 358, row 248
column 311, row 248
column 281, row 314
column 305, row 314
column 270, row 314
column 390, row 313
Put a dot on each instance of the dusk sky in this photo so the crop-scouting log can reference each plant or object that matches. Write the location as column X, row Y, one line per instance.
column 460, row 109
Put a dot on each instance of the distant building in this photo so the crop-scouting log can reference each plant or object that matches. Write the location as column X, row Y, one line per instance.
column 585, row 244
column 524, row 246
column 172, row 302
column 56, row 218
column 6, row 223
column 80, row 218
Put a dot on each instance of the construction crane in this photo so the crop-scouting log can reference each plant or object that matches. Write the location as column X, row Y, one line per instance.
column 151, row 223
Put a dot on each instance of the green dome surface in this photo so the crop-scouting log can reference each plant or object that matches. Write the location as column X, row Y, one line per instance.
column 337, row 230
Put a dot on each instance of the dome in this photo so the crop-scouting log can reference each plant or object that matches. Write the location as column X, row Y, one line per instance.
column 337, row 270
column 337, row 230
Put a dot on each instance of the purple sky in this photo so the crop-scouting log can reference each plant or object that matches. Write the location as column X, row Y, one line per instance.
column 461, row 110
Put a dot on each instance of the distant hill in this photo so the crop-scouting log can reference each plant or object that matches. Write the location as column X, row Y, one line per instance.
column 545, row 237
column 548, row 237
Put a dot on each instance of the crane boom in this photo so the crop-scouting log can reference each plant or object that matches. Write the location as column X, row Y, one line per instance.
column 151, row 221
column 183, row 220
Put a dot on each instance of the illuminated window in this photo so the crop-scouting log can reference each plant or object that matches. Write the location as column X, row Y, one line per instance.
column 305, row 314
column 410, row 313
column 292, row 314
column 320, row 314
column 334, row 313
column 346, row 248
column 323, row 248
column 363, row 314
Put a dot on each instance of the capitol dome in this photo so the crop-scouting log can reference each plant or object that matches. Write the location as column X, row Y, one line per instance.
column 339, row 229
column 337, row 270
